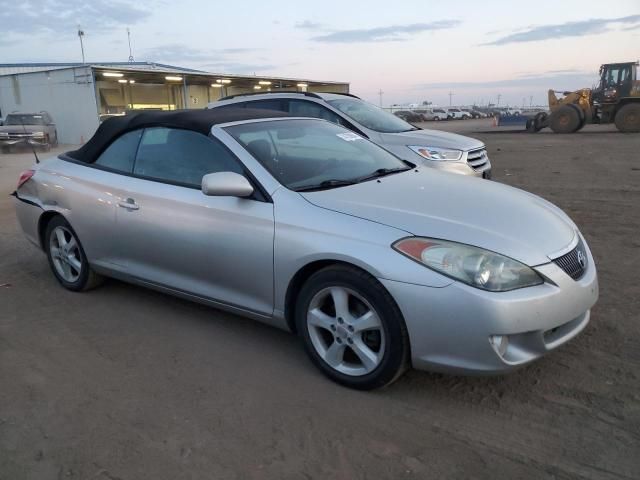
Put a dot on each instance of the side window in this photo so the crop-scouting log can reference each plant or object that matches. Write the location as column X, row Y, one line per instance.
column 303, row 108
column 121, row 154
column 232, row 105
column 274, row 104
column 181, row 156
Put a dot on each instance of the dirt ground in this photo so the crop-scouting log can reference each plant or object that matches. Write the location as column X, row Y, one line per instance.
column 123, row 383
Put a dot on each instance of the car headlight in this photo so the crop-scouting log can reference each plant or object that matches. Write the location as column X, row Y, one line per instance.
column 37, row 134
column 474, row 266
column 435, row 153
column 4, row 134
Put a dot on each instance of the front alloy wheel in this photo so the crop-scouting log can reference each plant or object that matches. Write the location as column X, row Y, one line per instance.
column 345, row 331
column 352, row 328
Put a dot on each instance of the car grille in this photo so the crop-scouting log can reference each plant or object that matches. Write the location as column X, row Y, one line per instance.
column 573, row 263
column 477, row 159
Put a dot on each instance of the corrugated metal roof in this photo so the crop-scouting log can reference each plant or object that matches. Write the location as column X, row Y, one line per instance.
column 14, row 68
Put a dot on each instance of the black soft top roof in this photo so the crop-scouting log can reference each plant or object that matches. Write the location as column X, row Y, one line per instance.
column 197, row 120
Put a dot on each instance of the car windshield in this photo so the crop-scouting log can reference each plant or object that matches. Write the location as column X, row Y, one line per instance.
column 24, row 119
column 313, row 154
column 370, row 116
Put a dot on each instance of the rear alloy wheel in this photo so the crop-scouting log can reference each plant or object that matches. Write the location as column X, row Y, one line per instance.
column 352, row 329
column 565, row 120
column 66, row 257
column 628, row 118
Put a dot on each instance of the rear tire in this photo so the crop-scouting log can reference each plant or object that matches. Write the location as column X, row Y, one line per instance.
column 331, row 311
column 565, row 120
column 66, row 257
column 628, row 118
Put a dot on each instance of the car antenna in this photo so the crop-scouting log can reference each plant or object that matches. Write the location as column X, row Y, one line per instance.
column 33, row 149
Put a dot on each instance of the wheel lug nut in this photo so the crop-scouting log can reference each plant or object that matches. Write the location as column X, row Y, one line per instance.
column 340, row 320
column 333, row 327
column 350, row 328
column 339, row 340
column 349, row 340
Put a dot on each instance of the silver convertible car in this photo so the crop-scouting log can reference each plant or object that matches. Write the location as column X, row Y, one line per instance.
column 377, row 264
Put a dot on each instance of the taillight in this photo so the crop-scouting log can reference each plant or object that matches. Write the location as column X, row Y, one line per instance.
column 24, row 176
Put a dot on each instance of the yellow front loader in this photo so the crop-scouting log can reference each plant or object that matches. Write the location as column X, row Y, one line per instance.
column 615, row 99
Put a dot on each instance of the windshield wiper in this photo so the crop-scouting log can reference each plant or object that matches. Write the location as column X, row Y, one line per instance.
column 326, row 184
column 382, row 172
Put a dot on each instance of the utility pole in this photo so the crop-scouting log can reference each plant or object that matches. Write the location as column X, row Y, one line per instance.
column 523, row 100
column 80, row 35
column 380, row 93
column 129, row 39
column 498, row 104
column 530, row 100
column 451, row 94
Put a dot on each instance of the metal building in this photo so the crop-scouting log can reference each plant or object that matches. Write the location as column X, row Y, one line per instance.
column 80, row 96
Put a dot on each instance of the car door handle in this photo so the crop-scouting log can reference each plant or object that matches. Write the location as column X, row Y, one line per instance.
column 129, row 204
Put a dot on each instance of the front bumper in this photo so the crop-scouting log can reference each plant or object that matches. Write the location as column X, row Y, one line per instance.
column 449, row 328
column 23, row 140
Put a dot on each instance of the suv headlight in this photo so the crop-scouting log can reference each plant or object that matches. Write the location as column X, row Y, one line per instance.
column 474, row 266
column 435, row 153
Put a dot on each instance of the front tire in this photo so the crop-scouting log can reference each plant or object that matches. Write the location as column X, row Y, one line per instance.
column 565, row 120
column 66, row 257
column 351, row 328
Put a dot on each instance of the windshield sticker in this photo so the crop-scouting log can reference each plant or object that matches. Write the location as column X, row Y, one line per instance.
column 349, row 137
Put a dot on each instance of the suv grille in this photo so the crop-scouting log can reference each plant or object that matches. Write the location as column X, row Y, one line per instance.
column 573, row 263
column 477, row 159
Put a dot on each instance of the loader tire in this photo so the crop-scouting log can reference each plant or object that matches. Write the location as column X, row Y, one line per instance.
column 566, row 119
column 628, row 118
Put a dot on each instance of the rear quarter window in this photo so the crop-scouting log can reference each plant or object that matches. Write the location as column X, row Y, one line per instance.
column 121, row 154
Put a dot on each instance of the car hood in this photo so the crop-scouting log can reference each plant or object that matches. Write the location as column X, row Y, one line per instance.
column 432, row 138
column 463, row 209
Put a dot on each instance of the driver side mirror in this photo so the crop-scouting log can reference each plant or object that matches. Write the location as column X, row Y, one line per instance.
column 226, row 184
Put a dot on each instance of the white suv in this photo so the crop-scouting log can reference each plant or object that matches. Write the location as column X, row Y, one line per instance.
column 457, row 114
column 441, row 150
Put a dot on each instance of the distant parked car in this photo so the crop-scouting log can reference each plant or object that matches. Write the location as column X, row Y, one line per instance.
column 35, row 129
column 435, row 114
column 1, row 121
column 456, row 114
column 409, row 116
column 473, row 113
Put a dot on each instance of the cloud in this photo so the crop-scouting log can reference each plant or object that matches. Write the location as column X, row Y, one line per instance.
column 558, row 79
column 308, row 25
column 384, row 34
column 178, row 52
column 221, row 59
column 240, row 68
column 564, row 30
column 33, row 17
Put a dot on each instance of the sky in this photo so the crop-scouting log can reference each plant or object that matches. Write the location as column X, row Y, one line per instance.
column 412, row 51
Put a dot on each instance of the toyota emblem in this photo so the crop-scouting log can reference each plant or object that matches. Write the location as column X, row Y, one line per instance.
column 582, row 259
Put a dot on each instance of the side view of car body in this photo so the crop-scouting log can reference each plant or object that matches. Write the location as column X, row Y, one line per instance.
column 377, row 264
column 35, row 129
column 436, row 149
